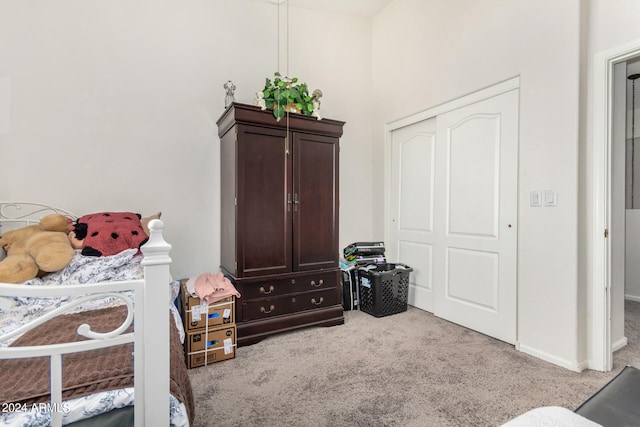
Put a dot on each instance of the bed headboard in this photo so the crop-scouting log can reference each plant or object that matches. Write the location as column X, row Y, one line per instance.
column 20, row 214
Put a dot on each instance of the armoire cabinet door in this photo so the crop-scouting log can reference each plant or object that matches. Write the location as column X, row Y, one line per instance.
column 263, row 213
column 315, row 202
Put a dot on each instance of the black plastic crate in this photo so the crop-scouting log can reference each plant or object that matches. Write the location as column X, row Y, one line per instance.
column 384, row 288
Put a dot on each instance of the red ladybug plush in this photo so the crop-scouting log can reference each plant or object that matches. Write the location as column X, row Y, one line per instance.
column 108, row 233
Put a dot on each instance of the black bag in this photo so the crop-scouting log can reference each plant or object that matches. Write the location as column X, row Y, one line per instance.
column 350, row 291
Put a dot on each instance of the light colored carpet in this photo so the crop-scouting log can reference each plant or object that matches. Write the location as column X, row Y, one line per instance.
column 408, row 369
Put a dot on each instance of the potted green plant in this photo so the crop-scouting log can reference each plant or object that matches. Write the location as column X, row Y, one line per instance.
column 284, row 94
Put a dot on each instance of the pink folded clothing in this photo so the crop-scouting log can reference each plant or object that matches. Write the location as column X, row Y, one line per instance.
column 214, row 287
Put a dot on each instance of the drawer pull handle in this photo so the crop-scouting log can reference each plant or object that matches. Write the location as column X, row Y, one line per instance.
column 264, row 310
column 313, row 301
column 317, row 285
column 264, row 291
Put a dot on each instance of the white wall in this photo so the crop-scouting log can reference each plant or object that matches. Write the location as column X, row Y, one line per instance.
column 632, row 261
column 427, row 53
column 112, row 105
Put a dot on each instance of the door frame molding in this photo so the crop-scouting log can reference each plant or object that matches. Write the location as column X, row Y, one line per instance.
column 463, row 101
column 601, row 351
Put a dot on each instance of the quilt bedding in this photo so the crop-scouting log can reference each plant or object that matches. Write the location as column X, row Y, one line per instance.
column 87, row 372
column 82, row 269
column 94, row 382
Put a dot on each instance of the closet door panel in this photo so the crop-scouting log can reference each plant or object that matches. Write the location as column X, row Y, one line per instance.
column 264, row 218
column 315, row 202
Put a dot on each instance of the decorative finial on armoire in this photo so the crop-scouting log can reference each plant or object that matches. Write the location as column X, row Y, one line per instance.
column 230, row 88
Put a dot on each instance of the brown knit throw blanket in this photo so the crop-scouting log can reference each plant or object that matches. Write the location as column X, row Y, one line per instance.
column 86, row 372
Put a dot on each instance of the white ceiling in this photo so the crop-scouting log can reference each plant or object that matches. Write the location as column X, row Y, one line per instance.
column 368, row 8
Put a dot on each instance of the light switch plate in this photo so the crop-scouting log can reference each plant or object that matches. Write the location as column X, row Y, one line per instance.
column 535, row 199
column 551, row 198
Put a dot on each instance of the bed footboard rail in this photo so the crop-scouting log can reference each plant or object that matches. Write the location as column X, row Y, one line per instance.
column 151, row 336
column 153, row 366
column 54, row 352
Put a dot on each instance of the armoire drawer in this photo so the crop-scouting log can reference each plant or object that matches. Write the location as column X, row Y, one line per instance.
column 277, row 306
column 301, row 283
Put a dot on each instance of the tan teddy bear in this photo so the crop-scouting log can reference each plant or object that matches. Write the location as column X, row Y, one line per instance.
column 35, row 250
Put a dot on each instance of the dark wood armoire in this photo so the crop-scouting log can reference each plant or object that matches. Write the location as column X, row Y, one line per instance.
column 279, row 219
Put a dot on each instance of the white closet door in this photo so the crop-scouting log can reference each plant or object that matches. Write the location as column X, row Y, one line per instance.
column 454, row 213
column 412, row 203
column 476, row 219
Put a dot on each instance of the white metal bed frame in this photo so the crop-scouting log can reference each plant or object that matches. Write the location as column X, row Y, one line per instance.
column 151, row 336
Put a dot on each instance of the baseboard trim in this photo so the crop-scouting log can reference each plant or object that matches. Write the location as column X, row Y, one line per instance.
column 572, row 366
column 622, row 342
